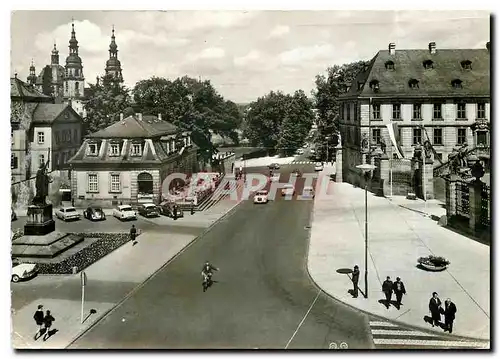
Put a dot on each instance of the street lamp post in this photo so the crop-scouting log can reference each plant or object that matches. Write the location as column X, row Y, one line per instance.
column 366, row 168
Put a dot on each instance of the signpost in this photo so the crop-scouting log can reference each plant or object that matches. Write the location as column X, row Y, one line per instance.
column 83, row 280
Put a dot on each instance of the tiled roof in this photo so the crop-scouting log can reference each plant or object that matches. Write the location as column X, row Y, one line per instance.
column 46, row 113
column 133, row 127
column 434, row 82
column 20, row 89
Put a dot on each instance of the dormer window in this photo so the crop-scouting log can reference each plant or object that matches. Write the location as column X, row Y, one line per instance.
column 389, row 65
column 360, row 85
column 466, row 65
column 93, row 149
column 374, row 85
column 413, row 83
column 136, row 149
column 428, row 64
column 457, row 84
column 114, row 150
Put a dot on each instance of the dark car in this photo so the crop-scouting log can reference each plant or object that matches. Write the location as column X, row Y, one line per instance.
column 167, row 209
column 296, row 172
column 274, row 166
column 148, row 210
column 13, row 215
column 94, row 213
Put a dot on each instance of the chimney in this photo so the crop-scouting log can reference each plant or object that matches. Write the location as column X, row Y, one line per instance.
column 392, row 48
column 121, row 116
column 432, row 47
column 488, row 46
column 159, row 116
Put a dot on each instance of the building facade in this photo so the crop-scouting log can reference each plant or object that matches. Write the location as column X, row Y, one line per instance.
column 128, row 161
column 439, row 96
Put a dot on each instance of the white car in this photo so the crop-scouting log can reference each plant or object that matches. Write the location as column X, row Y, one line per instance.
column 312, row 150
column 22, row 270
column 261, row 197
column 288, row 190
column 275, row 177
column 305, row 146
column 300, row 151
column 318, row 166
column 67, row 213
column 124, row 212
column 308, row 192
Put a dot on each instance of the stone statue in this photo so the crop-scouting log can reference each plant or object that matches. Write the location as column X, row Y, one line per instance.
column 364, row 143
column 417, row 151
column 42, row 185
column 427, row 149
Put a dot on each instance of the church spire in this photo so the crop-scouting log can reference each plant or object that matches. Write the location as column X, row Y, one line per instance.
column 32, row 76
column 54, row 57
column 113, row 65
column 73, row 43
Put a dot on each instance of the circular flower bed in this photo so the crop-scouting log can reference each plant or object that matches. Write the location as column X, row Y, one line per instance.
column 433, row 262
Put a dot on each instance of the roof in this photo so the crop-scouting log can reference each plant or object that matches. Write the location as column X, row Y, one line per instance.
column 46, row 113
column 434, row 82
column 60, row 74
column 20, row 89
column 132, row 127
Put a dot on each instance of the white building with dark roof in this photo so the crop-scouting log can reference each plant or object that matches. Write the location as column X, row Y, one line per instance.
column 128, row 161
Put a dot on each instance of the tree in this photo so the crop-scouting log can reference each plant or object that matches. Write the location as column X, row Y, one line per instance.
column 106, row 100
column 47, row 88
column 328, row 91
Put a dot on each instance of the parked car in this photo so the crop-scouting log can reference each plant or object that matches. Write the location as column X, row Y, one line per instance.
column 274, row 166
column 124, row 212
column 67, row 213
column 148, row 210
column 94, row 213
column 296, row 172
column 318, row 166
column 13, row 215
column 288, row 190
column 305, row 145
column 313, row 151
column 300, row 151
column 167, row 209
column 275, row 177
column 22, row 270
column 308, row 192
column 261, row 197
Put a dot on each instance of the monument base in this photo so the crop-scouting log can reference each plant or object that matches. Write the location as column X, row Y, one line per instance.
column 40, row 220
column 39, row 229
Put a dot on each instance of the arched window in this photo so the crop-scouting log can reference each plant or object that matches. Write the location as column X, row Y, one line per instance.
column 428, row 64
column 145, row 183
column 413, row 83
column 374, row 85
column 389, row 65
column 466, row 64
column 457, row 83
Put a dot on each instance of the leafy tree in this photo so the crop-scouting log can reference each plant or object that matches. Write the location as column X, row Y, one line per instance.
column 328, row 90
column 106, row 100
column 47, row 88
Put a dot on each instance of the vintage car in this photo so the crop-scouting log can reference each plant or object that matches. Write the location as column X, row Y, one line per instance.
column 318, row 166
column 288, row 190
column 275, row 177
column 168, row 208
column 300, row 151
column 22, row 270
column 274, row 166
column 94, row 213
column 308, row 192
column 148, row 210
column 261, row 197
column 124, row 212
column 67, row 213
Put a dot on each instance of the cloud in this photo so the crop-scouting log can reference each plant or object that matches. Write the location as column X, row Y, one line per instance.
column 307, row 53
column 279, row 31
column 209, row 53
column 252, row 57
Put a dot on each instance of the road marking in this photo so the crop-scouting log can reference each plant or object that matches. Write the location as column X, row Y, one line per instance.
column 400, row 332
column 385, row 324
column 443, row 343
column 303, row 319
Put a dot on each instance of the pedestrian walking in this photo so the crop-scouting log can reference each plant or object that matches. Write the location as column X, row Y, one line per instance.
column 133, row 235
column 449, row 315
column 38, row 317
column 387, row 287
column 47, row 321
column 355, row 280
column 435, row 308
column 399, row 290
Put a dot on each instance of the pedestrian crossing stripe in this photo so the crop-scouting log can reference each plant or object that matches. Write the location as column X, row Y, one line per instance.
column 387, row 335
column 303, row 163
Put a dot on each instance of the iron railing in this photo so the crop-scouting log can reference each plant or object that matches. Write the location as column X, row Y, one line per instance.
column 462, row 199
column 485, row 217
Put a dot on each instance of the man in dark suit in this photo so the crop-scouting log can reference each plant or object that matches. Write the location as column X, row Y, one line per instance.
column 387, row 289
column 355, row 280
column 399, row 290
column 449, row 315
column 435, row 309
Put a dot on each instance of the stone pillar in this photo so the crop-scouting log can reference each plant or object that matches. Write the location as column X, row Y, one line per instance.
column 427, row 174
column 338, row 164
column 385, row 174
column 475, row 189
column 451, row 196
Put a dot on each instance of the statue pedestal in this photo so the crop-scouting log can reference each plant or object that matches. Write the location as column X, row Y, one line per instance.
column 40, row 220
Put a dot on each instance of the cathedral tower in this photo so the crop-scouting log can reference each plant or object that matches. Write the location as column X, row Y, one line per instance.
column 74, row 81
column 113, row 65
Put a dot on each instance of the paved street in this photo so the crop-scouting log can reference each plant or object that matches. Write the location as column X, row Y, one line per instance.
column 263, row 297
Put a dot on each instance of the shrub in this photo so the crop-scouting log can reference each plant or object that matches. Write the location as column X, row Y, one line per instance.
column 434, row 260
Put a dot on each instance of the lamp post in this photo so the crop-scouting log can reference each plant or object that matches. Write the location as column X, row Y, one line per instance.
column 327, row 138
column 366, row 168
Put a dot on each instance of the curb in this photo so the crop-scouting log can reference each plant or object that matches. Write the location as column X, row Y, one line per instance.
column 379, row 317
column 139, row 286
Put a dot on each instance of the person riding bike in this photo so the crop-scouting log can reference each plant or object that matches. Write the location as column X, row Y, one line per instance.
column 207, row 270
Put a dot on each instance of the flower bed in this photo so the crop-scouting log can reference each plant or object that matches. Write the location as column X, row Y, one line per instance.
column 106, row 243
column 433, row 262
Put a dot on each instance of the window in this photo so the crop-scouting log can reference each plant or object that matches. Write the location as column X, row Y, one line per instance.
column 436, row 114
column 466, row 65
column 56, row 159
column 77, row 86
column 461, row 113
column 57, row 137
column 428, row 64
column 374, row 85
column 376, row 135
column 457, row 84
column 355, row 111
column 348, row 110
column 136, row 149
column 438, row 136
column 41, row 137
column 75, row 136
column 376, row 111
column 417, row 111
column 461, row 136
column 481, row 110
column 417, row 136
column 360, row 85
column 13, row 162
column 93, row 149
column 481, row 138
column 413, row 84
column 92, row 182
column 396, row 111
column 66, row 86
column 115, row 149
column 389, row 65
column 115, row 182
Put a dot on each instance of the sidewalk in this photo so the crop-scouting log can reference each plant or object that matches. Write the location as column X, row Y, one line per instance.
column 397, row 238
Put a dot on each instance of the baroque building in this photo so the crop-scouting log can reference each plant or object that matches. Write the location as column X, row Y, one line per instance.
column 438, row 96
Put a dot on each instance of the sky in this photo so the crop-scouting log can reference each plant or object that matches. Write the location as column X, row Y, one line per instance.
column 245, row 54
